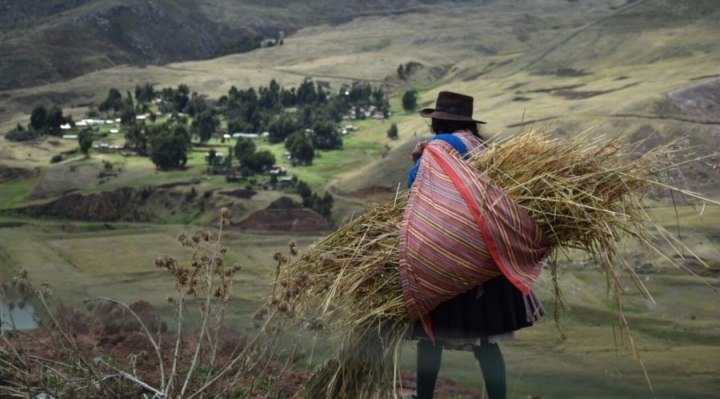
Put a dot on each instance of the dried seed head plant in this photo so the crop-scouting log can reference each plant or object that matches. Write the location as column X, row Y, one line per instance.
column 206, row 285
column 202, row 357
column 26, row 372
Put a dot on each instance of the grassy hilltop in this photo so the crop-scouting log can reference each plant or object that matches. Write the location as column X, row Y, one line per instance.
column 631, row 68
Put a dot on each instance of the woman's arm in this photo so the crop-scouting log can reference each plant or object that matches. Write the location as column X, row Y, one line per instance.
column 415, row 155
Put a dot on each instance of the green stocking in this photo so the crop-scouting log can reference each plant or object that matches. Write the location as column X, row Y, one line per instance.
column 492, row 365
column 429, row 357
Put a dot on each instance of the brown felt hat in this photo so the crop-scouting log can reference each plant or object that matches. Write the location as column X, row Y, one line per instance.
column 451, row 106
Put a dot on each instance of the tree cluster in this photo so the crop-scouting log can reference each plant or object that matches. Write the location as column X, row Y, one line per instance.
column 313, row 125
column 126, row 108
column 48, row 121
column 409, row 100
column 204, row 125
column 250, row 159
column 306, row 118
column 169, row 144
column 243, row 44
column 43, row 121
column 406, row 70
column 85, row 141
column 322, row 205
column 166, row 144
column 392, row 132
column 20, row 133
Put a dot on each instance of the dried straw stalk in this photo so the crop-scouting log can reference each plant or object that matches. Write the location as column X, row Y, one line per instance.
column 585, row 193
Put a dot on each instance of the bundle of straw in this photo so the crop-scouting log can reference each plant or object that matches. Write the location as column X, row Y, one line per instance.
column 585, row 193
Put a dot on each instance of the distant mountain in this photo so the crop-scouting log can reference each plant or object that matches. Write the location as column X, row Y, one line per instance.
column 52, row 40
column 56, row 40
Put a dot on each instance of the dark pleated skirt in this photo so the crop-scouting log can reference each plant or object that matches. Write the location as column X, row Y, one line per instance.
column 500, row 309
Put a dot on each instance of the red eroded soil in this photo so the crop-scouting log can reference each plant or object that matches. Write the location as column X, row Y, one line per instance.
column 284, row 216
column 282, row 221
column 112, row 333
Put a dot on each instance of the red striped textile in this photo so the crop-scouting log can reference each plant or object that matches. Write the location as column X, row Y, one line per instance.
column 460, row 230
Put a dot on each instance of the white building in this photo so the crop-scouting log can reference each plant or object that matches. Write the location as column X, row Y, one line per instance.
column 246, row 135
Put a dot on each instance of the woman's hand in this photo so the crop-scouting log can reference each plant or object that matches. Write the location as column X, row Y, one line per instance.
column 418, row 150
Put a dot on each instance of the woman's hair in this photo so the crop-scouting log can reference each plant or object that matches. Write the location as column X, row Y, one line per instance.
column 448, row 126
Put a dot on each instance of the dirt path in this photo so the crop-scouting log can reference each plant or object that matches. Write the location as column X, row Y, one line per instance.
column 314, row 75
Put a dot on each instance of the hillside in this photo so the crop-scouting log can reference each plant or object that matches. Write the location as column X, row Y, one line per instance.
column 631, row 68
column 609, row 63
column 51, row 41
column 454, row 41
column 642, row 70
column 63, row 39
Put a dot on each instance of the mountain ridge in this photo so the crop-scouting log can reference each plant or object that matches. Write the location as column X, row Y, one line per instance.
column 56, row 40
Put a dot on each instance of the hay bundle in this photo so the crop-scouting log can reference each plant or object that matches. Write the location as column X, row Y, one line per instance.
column 585, row 193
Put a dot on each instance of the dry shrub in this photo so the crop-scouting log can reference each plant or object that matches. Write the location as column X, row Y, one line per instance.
column 121, row 350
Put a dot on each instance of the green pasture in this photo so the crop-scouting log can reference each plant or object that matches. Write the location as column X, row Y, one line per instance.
column 89, row 260
column 359, row 149
column 13, row 193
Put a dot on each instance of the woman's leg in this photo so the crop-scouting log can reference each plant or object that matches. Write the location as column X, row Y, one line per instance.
column 429, row 356
column 492, row 365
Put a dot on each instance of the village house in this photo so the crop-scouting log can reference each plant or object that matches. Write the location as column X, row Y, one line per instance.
column 106, row 148
column 219, row 170
column 323, row 84
column 246, row 135
column 285, row 181
column 277, row 171
column 218, row 156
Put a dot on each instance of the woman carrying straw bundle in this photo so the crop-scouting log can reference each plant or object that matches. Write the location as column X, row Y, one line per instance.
column 442, row 233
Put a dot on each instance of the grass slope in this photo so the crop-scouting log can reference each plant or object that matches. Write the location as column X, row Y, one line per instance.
column 522, row 61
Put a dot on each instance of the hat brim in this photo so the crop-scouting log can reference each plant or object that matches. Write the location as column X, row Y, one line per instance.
column 431, row 113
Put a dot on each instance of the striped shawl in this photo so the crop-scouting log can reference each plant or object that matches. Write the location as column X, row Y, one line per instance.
column 460, row 230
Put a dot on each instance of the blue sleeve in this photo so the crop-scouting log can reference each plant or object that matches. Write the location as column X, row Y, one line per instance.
column 413, row 173
column 448, row 138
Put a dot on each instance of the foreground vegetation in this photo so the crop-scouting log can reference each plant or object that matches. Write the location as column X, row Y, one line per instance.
column 200, row 358
column 677, row 336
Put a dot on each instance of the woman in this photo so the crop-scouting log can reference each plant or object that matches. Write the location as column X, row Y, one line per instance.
column 484, row 315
